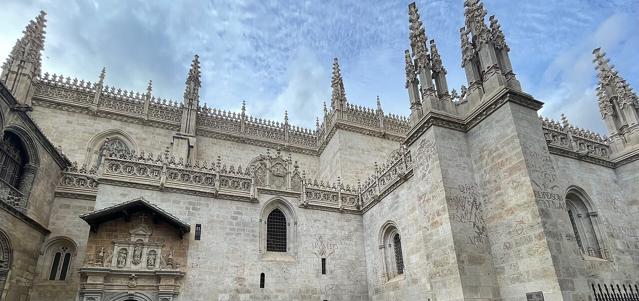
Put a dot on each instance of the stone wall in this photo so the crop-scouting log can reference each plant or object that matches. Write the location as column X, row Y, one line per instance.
column 419, row 210
column 226, row 263
column 25, row 242
column 351, row 156
column 64, row 222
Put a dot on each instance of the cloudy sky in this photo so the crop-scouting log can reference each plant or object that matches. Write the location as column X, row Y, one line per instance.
column 277, row 55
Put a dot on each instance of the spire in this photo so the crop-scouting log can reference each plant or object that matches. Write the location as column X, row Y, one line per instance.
column 24, row 63
column 193, row 84
column 338, row 97
column 618, row 103
column 439, row 72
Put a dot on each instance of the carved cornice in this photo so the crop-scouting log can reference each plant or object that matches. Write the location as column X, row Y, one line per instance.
column 568, row 153
column 24, row 218
column 485, row 109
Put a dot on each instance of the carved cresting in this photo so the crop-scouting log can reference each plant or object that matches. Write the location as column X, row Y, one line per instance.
column 276, row 172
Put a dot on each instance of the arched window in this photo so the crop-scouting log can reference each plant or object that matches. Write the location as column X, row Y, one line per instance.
column 58, row 258
column 5, row 260
column 111, row 144
column 276, row 231
column 391, row 251
column 584, row 224
column 13, row 158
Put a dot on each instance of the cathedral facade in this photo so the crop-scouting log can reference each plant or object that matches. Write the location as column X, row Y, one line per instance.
column 112, row 195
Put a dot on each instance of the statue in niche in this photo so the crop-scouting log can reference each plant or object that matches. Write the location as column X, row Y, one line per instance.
column 151, row 257
column 99, row 257
column 137, row 253
column 122, row 254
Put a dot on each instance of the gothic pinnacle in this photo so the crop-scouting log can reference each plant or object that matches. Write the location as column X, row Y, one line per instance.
column 417, row 37
column 411, row 75
column 102, row 76
column 149, row 87
column 193, row 83
column 436, row 59
column 29, row 47
column 338, row 97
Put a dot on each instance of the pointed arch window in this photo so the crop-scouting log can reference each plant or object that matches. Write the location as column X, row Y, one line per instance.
column 58, row 258
column 276, row 231
column 391, row 251
column 13, row 158
column 60, row 264
column 583, row 221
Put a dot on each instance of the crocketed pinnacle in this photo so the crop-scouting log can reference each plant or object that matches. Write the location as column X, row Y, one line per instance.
column 417, row 37
column 474, row 14
column 193, row 83
column 338, row 97
column 28, row 49
column 411, row 75
column 436, row 60
column 611, row 84
column 497, row 35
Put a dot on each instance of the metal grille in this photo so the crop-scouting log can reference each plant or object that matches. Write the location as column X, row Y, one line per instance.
column 612, row 292
column 399, row 260
column 276, row 232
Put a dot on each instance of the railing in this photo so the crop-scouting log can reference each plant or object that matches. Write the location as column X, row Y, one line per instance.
column 386, row 177
column 583, row 142
column 78, row 181
column 165, row 172
column 336, row 195
column 12, row 196
column 615, row 292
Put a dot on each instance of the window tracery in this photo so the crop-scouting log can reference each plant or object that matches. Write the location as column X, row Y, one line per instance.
column 59, row 254
column 584, row 224
column 12, row 159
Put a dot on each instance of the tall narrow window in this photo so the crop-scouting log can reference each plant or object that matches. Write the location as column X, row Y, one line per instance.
column 54, row 266
column 198, row 231
column 583, row 220
column 399, row 260
column 391, row 251
column 276, row 231
column 59, row 254
column 262, row 278
column 65, row 266
column 323, row 266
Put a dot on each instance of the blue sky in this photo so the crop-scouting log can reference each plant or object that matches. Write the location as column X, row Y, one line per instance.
column 277, row 55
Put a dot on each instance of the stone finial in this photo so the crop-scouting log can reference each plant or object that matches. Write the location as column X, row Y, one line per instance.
column 193, row 82
column 285, row 116
column 436, row 60
column 149, row 87
column 243, row 107
column 379, row 104
column 411, row 75
column 418, row 37
column 564, row 121
column 497, row 35
column 102, row 76
column 468, row 52
column 338, row 96
column 317, row 124
column 474, row 14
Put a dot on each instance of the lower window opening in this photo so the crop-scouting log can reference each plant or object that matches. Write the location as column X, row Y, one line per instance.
column 262, row 280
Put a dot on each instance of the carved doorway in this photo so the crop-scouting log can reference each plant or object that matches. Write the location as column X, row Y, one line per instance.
column 5, row 262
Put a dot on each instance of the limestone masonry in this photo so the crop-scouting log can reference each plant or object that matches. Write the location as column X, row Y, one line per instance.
column 112, row 195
